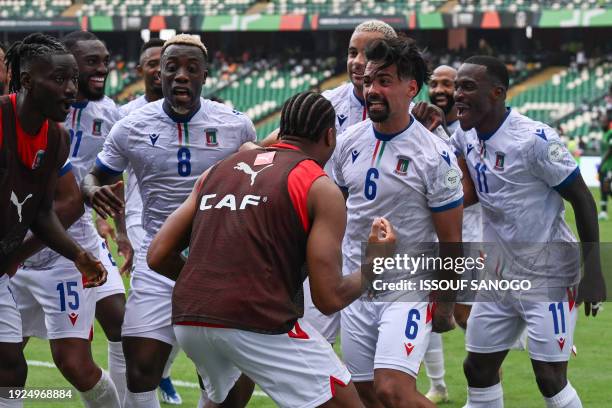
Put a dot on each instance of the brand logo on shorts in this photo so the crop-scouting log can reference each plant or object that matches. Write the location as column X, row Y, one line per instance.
column 561, row 342
column 211, row 137
column 97, row 127
column 297, row 332
column 402, row 165
column 499, row 160
column 409, row 347
column 73, row 318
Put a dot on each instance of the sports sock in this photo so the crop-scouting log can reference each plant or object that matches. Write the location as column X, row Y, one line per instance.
column 102, row 395
column 116, row 367
column 490, row 397
column 11, row 403
column 434, row 361
column 171, row 358
column 147, row 399
column 566, row 398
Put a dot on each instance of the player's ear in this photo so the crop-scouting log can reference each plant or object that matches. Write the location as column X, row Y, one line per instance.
column 25, row 79
column 330, row 137
column 139, row 69
column 204, row 76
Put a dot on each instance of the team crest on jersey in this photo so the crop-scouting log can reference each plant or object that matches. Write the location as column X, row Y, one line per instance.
column 38, row 157
column 499, row 160
column 97, row 127
column 402, row 165
column 211, row 137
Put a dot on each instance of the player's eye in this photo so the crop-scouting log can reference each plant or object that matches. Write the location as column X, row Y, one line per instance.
column 59, row 80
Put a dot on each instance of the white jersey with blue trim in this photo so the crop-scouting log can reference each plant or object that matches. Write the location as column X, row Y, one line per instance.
column 403, row 177
column 88, row 124
column 516, row 171
column 133, row 202
column 349, row 108
column 168, row 156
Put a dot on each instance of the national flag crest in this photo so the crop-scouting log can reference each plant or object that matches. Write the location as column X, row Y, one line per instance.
column 38, row 159
column 211, row 137
column 97, row 127
column 499, row 160
column 402, row 165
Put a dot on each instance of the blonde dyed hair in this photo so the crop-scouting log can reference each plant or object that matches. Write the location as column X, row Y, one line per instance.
column 376, row 26
column 186, row 39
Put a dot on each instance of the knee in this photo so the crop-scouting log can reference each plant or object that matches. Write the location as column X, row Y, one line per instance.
column 392, row 394
column 550, row 383
column 13, row 369
column 478, row 375
column 143, row 373
column 461, row 318
column 79, row 370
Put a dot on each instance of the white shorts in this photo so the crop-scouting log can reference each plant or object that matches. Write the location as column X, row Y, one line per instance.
column 392, row 335
column 328, row 326
column 53, row 303
column 136, row 235
column 298, row 369
column 496, row 326
column 10, row 323
column 148, row 311
column 114, row 283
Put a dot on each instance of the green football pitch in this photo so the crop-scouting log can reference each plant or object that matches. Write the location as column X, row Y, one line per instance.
column 589, row 371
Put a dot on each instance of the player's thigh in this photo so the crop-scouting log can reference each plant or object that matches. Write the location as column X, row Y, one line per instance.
column 550, row 329
column 114, row 283
column 493, row 327
column 10, row 323
column 296, row 369
column 218, row 372
column 32, row 315
column 359, row 335
column 404, row 331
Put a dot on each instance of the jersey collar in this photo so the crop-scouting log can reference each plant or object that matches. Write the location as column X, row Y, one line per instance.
column 356, row 98
column 385, row 137
column 487, row 136
column 80, row 105
column 175, row 116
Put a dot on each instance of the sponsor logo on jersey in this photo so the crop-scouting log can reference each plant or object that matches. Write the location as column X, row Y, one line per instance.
column 402, row 165
column 153, row 138
column 19, row 205
column 211, row 137
column 230, row 202
column 555, row 151
column 354, row 155
column 540, row 133
column 38, row 157
column 452, row 179
column 97, row 127
column 264, row 158
column 341, row 119
column 242, row 166
column 499, row 160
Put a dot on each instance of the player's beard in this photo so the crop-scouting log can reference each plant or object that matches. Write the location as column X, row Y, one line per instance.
column 88, row 93
column 378, row 115
column 450, row 102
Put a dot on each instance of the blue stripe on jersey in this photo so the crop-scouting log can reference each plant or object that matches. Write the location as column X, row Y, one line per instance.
column 448, row 206
column 106, row 169
column 568, row 179
column 65, row 169
column 385, row 137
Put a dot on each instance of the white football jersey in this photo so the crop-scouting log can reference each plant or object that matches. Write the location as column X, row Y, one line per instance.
column 349, row 108
column 168, row 156
column 133, row 202
column 88, row 124
column 402, row 177
column 515, row 171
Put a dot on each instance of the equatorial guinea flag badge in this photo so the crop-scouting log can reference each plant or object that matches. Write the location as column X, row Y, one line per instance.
column 211, row 137
column 97, row 127
column 402, row 165
column 499, row 160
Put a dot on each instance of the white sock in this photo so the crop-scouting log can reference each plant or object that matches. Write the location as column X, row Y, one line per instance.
column 171, row 358
column 490, row 397
column 566, row 398
column 146, row 399
column 434, row 361
column 203, row 398
column 102, row 395
column 11, row 403
column 116, row 367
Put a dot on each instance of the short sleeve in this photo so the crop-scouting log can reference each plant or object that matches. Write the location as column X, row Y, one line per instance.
column 336, row 166
column 444, row 190
column 65, row 168
column 112, row 158
column 456, row 142
column 550, row 160
column 249, row 134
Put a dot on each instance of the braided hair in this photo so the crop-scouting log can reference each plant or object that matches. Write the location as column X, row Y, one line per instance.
column 306, row 115
column 22, row 53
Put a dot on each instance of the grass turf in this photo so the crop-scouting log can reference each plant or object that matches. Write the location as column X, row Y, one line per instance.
column 587, row 371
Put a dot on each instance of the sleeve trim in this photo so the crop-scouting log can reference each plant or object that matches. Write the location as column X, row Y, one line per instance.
column 106, row 168
column 449, row 206
column 568, row 179
column 65, row 169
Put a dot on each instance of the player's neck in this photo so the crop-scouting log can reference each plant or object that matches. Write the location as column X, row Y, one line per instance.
column 30, row 117
column 152, row 96
column 493, row 121
column 358, row 93
column 451, row 116
column 81, row 98
column 393, row 126
column 178, row 115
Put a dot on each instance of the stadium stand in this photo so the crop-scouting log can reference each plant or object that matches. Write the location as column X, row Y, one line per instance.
column 33, row 8
column 136, row 8
column 527, row 5
column 352, row 8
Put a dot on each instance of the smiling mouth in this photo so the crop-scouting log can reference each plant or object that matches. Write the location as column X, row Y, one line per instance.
column 97, row 80
column 462, row 110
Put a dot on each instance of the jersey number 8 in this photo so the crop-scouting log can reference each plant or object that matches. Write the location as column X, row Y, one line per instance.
column 184, row 165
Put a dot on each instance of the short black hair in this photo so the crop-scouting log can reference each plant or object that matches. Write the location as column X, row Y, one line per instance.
column 152, row 43
column 306, row 115
column 496, row 69
column 75, row 37
column 402, row 52
column 22, row 53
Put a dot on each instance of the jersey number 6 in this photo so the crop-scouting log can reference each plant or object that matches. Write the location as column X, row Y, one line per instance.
column 370, row 186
